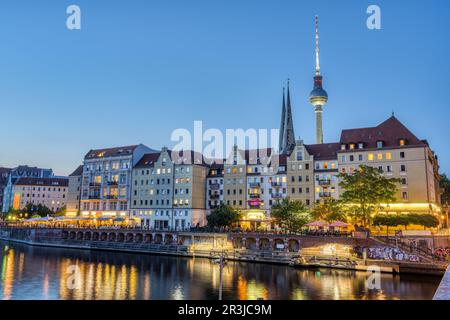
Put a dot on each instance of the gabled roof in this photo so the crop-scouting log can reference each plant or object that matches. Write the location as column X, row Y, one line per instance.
column 47, row 182
column 390, row 132
column 148, row 160
column 78, row 172
column 324, row 151
column 111, row 152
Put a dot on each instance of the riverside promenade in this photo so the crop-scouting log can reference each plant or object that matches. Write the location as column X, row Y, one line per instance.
column 295, row 250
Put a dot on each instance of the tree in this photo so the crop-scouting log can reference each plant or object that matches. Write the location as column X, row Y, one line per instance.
column 61, row 212
column 290, row 214
column 330, row 210
column 424, row 220
column 39, row 209
column 445, row 184
column 364, row 192
column 223, row 216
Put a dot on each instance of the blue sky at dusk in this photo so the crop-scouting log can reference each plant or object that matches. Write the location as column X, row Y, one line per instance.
column 137, row 70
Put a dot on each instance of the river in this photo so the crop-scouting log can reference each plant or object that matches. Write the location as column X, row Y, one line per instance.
column 52, row 273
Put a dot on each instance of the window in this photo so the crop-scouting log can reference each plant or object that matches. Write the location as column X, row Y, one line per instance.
column 405, row 195
column 360, row 145
column 404, row 181
column 402, row 168
column 370, row 157
column 352, row 157
column 388, row 169
column 352, row 146
column 380, row 156
column 343, row 147
column 360, row 157
column 379, row 144
column 402, row 155
column 343, row 158
column 402, row 142
column 388, row 156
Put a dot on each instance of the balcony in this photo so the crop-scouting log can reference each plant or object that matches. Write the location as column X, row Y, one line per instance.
column 325, row 194
column 276, row 195
column 254, row 196
column 214, row 186
column 254, row 185
column 214, row 196
column 276, row 184
column 324, row 182
column 95, row 184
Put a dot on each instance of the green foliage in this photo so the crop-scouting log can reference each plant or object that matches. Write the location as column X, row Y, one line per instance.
column 394, row 220
column 330, row 210
column 364, row 191
column 445, row 184
column 290, row 214
column 223, row 216
column 61, row 212
column 41, row 210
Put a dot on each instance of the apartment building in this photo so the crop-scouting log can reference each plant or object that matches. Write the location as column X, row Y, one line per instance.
column 169, row 190
column 49, row 192
column 106, row 180
column 74, row 192
column 14, row 175
column 397, row 153
column 300, row 174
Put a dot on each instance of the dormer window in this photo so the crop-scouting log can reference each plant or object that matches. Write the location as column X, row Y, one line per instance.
column 343, row 147
column 360, row 145
column 352, row 146
column 379, row 144
column 402, row 142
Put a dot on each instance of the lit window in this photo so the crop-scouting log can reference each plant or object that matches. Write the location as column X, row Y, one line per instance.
column 388, row 156
column 333, row 165
column 360, row 145
column 343, row 147
column 370, row 157
column 325, row 165
column 380, row 156
column 402, row 142
column 352, row 146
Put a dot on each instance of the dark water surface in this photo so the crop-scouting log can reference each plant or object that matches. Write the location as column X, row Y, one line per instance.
column 50, row 273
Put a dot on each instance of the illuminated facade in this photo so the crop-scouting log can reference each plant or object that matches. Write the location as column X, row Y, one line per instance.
column 168, row 190
column 49, row 192
column 106, row 180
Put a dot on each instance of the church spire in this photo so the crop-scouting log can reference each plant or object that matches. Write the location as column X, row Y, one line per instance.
column 283, row 120
column 289, row 135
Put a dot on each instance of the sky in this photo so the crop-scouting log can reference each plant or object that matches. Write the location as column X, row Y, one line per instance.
column 137, row 70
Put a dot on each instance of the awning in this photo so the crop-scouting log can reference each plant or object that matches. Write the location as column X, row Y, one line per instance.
column 317, row 224
column 339, row 224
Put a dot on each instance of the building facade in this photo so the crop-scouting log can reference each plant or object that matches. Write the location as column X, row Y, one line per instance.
column 4, row 174
column 106, row 180
column 74, row 192
column 49, row 192
column 14, row 175
column 169, row 190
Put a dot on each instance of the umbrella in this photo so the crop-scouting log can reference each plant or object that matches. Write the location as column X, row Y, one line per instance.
column 317, row 224
column 339, row 224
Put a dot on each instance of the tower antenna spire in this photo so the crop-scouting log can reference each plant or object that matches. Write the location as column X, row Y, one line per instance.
column 317, row 45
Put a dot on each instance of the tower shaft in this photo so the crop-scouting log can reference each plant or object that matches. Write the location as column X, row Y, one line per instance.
column 319, row 130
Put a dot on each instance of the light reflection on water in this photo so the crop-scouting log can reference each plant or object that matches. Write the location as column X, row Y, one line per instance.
column 44, row 273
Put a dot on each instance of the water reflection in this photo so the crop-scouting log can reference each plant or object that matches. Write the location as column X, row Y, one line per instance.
column 48, row 273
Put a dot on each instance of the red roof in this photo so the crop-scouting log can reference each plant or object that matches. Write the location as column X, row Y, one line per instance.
column 148, row 160
column 324, row 151
column 111, row 152
column 390, row 132
column 47, row 182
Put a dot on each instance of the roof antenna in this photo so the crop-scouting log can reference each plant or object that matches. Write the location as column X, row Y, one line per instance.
column 392, row 112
